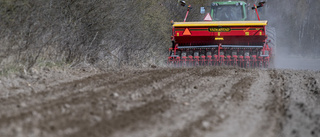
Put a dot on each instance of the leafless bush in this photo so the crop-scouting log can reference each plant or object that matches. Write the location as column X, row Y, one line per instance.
column 69, row 30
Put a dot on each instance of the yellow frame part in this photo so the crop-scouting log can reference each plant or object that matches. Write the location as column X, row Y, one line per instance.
column 220, row 23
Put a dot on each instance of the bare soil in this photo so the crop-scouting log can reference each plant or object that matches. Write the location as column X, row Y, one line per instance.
column 161, row 102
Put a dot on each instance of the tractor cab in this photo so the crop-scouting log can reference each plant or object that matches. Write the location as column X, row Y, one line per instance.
column 228, row 11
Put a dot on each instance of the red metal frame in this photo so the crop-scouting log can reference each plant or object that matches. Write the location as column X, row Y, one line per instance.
column 236, row 36
column 185, row 18
column 218, row 59
column 256, row 8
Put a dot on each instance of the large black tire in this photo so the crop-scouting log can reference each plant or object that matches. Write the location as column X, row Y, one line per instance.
column 272, row 36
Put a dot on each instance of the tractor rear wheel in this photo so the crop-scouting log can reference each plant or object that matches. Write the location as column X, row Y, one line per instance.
column 272, row 36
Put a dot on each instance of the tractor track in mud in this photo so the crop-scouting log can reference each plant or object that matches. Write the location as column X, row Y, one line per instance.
column 173, row 102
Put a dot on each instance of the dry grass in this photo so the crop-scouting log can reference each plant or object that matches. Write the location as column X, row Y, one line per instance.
column 103, row 33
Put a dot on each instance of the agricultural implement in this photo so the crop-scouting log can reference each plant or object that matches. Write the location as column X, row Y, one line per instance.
column 224, row 38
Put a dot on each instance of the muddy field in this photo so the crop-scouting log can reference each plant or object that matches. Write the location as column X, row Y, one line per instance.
column 161, row 102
